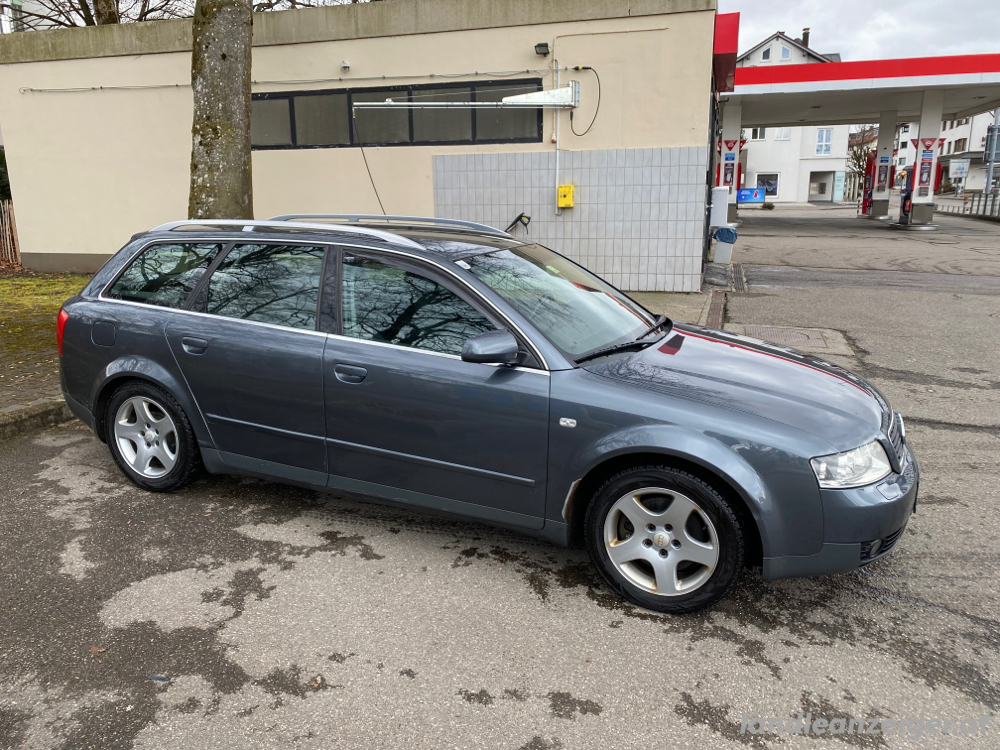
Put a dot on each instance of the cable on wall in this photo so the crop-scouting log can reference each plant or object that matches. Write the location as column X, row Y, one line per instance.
column 339, row 79
column 596, row 110
column 354, row 121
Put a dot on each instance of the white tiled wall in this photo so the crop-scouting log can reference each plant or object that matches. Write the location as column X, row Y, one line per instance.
column 638, row 218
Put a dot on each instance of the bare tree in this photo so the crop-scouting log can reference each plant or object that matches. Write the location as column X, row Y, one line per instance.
column 222, row 36
column 221, row 184
column 859, row 143
column 48, row 14
column 221, row 176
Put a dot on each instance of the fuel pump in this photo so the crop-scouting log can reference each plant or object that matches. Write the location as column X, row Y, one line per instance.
column 906, row 198
column 869, row 185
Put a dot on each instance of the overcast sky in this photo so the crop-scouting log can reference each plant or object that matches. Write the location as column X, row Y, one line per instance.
column 874, row 29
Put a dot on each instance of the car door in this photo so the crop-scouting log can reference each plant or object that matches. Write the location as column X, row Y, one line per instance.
column 253, row 358
column 408, row 419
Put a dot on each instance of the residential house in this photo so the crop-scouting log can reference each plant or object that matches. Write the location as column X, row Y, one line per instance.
column 794, row 164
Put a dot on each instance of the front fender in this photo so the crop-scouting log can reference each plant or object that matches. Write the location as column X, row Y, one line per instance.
column 784, row 504
column 141, row 368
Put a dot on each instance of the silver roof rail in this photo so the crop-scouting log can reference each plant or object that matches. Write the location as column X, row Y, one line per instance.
column 356, row 218
column 249, row 226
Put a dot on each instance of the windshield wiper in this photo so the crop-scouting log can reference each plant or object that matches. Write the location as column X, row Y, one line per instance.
column 625, row 346
column 611, row 350
column 660, row 321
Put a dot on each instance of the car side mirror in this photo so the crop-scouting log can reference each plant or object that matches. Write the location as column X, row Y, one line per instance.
column 492, row 348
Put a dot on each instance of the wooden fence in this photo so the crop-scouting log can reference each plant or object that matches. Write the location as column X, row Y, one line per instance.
column 10, row 251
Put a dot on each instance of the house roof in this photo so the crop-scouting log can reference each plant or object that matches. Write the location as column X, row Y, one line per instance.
column 797, row 43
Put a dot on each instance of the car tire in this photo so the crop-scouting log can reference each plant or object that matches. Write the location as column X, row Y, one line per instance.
column 150, row 438
column 664, row 539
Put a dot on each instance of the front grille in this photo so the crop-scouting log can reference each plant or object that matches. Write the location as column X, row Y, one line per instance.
column 887, row 543
column 896, row 435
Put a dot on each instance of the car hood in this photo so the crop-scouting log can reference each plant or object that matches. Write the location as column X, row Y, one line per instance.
column 749, row 375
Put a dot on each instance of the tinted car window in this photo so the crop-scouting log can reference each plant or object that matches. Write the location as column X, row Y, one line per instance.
column 397, row 306
column 276, row 284
column 164, row 274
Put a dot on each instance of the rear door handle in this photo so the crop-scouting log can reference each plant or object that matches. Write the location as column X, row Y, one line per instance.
column 194, row 346
column 349, row 373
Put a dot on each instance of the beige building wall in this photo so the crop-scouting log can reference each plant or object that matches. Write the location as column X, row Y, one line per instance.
column 98, row 143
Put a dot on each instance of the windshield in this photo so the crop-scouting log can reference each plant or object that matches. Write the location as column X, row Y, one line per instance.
column 577, row 311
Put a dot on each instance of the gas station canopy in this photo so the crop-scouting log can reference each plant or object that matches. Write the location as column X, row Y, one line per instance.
column 924, row 90
column 841, row 93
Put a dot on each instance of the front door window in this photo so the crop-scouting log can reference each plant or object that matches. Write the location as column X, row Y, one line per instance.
column 397, row 306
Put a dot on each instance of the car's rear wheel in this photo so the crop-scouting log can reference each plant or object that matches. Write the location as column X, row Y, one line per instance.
column 151, row 438
column 664, row 539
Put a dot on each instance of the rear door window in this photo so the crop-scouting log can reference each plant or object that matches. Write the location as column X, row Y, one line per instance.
column 164, row 274
column 277, row 284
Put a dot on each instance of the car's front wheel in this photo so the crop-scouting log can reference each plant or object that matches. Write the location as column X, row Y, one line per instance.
column 664, row 539
column 151, row 438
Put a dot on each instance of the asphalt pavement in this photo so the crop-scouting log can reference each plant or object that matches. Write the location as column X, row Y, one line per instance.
column 239, row 613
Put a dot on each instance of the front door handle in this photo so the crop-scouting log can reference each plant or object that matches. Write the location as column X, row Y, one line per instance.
column 194, row 346
column 349, row 373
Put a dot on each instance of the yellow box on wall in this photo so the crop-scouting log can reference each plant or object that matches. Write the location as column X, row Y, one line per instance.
column 565, row 196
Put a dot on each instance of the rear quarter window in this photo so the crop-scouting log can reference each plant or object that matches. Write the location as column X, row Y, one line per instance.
column 164, row 274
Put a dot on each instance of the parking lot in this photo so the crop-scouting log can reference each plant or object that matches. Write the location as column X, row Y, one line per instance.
column 239, row 613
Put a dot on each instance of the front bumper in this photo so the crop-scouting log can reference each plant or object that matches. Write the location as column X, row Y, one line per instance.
column 860, row 525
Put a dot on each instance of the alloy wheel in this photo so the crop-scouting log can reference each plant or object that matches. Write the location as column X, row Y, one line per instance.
column 146, row 437
column 661, row 541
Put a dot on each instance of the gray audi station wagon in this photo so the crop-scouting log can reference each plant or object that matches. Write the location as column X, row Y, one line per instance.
column 449, row 366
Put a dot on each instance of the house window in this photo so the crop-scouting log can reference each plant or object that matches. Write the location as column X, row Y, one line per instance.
column 905, row 129
column 786, row 54
column 757, row 134
column 902, row 161
column 323, row 119
column 766, row 54
column 960, row 145
column 824, row 136
column 782, row 134
column 17, row 16
column 769, row 182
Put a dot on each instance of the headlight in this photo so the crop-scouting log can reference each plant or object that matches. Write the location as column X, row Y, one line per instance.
column 852, row 468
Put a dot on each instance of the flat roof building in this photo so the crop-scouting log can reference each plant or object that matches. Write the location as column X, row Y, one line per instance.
column 97, row 123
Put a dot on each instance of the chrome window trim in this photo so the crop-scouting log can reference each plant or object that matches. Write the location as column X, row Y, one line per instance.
column 334, row 244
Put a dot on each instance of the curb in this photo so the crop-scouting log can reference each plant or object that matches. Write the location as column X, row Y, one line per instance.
column 22, row 420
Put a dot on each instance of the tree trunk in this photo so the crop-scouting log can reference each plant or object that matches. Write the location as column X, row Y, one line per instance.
column 221, row 185
column 106, row 12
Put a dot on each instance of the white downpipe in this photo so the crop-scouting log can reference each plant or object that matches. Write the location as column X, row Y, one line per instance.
column 558, row 121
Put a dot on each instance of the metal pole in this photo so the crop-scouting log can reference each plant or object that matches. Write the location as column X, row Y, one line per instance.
column 995, row 130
